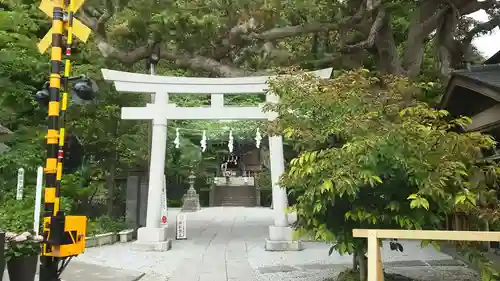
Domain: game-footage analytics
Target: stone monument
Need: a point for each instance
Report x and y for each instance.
(191, 200)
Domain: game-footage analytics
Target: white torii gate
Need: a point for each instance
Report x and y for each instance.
(280, 234)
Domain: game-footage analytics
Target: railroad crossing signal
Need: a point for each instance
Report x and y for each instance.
(80, 30)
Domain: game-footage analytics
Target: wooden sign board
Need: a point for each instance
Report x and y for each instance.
(20, 184)
(180, 226)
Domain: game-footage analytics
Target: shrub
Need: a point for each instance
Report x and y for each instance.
(104, 224)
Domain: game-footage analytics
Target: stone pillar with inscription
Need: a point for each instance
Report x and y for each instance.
(191, 200)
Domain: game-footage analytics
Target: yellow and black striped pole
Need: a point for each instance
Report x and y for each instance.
(64, 236)
(49, 264)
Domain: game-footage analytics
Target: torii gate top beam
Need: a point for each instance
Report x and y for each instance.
(145, 83)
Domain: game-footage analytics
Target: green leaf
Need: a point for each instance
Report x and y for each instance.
(424, 243)
(317, 207)
(376, 179)
(332, 248)
(424, 203)
(460, 199)
(347, 215)
(412, 196)
(327, 186)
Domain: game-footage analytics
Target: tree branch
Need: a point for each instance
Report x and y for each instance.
(247, 30)
(431, 23)
(179, 58)
(107, 13)
(370, 40)
(480, 28)
(291, 31)
(130, 57)
(475, 6)
(388, 60)
(191, 61)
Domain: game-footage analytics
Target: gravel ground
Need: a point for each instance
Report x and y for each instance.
(227, 244)
(439, 273)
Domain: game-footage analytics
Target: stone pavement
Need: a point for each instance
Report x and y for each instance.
(78, 271)
(227, 244)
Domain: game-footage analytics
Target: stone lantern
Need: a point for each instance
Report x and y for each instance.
(191, 200)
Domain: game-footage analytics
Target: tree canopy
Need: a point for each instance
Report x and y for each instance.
(244, 37)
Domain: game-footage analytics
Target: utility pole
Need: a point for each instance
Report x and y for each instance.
(64, 236)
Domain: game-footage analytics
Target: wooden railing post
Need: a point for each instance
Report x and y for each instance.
(375, 271)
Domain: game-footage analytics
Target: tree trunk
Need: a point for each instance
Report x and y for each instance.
(111, 174)
(388, 60)
(355, 263)
(110, 185)
(363, 266)
(422, 23)
(445, 43)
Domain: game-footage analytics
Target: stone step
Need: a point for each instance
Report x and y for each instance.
(242, 201)
(238, 203)
(238, 199)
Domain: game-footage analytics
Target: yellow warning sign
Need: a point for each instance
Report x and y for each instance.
(80, 30)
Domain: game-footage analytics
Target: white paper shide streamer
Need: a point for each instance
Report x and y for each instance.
(204, 139)
(203, 142)
(258, 138)
(177, 141)
(230, 144)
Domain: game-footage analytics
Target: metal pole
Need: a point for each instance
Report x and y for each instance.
(49, 263)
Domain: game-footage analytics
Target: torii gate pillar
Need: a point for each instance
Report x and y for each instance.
(153, 234)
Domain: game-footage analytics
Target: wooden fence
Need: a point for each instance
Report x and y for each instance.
(375, 268)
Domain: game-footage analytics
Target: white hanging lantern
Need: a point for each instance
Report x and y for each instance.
(177, 140)
(203, 142)
(230, 144)
(258, 138)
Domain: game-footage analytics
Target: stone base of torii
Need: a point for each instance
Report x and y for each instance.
(154, 237)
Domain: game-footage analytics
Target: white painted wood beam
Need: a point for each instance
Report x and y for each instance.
(115, 75)
(197, 113)
(217, 100)
(144, 83)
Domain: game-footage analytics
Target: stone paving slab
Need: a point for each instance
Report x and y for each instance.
(78, 271)
(387, 265)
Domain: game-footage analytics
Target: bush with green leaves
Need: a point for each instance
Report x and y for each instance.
(374, 156)
(17, 216)
(105, 224)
